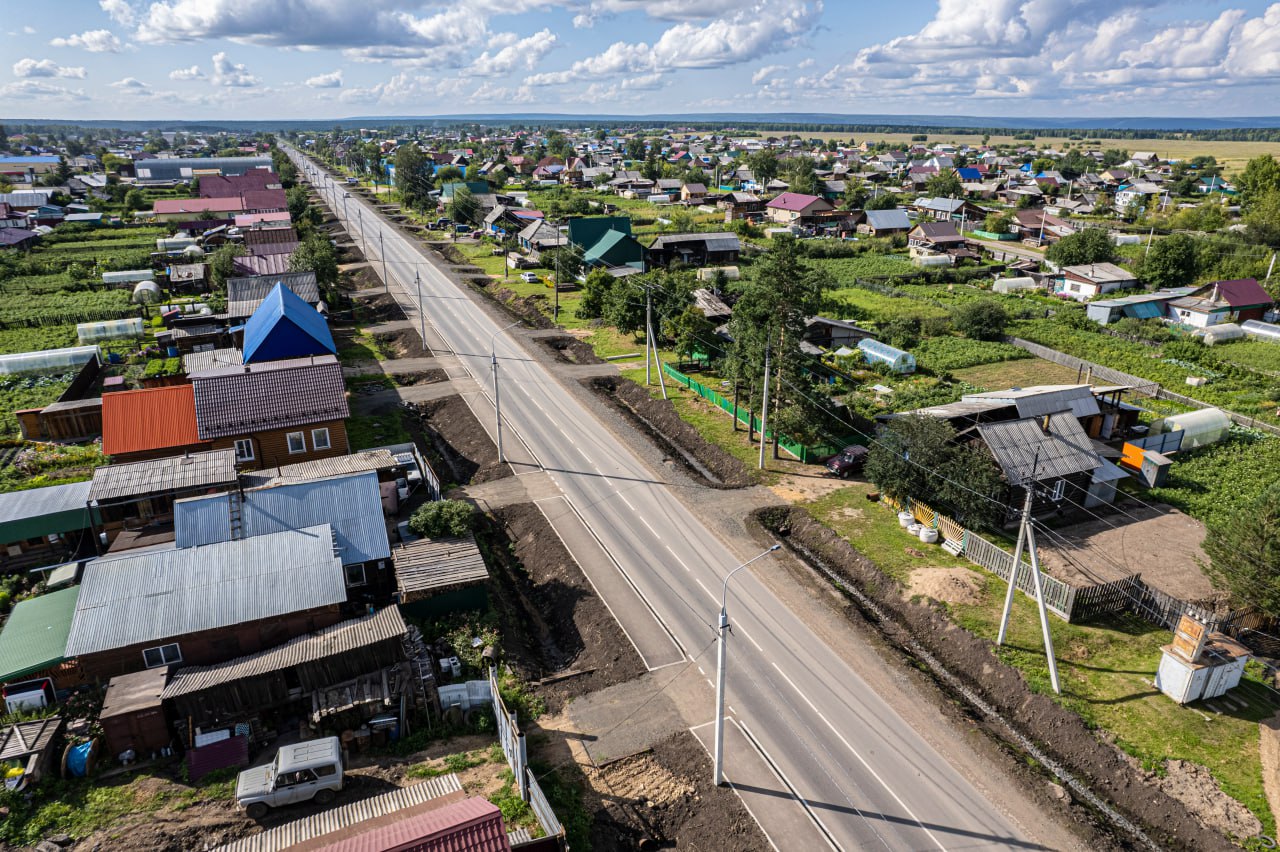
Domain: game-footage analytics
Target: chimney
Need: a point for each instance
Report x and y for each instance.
(1044, 424)
(1214, 297)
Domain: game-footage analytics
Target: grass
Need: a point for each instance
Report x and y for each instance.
(1021, 373)
(363, 347)
(857, 303)
(376, 430)
(1105, 667)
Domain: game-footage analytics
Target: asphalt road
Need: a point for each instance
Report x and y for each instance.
(860, 771)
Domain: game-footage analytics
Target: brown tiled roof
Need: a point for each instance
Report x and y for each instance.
(271, 395)
(151, 419)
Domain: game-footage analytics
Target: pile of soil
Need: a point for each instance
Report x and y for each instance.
(405, 343)
(908, 625)
(379, 309)
(462, 448)
(957, 585)
(664, 799)
(363, 278)
(1193, 785)
(553, 622)
(570, 350)
(658, 418)
(527, 309)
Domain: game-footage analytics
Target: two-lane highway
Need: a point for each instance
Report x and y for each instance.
(860, 771)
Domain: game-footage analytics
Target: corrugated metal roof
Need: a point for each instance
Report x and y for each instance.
(1025, 451)
(352, 505)
(38, 502)
(143, 597)
(244, 294)
(338, 639)
(336, 819)
(161, 476)
(35, 636)
(212, 359)
(473, 825)
(150, 419)
(272, 395)
(359, 462)
(261, 264)
(427, 565)
(1045, 399)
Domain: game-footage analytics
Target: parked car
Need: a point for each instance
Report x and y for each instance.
(300, 773)
(848, 461)
(462, 229)
(529, 277)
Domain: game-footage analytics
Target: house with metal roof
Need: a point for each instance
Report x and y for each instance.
(352, 505)
(615, 250)
(274, 412)
(1086, 281)
(204, 605)
(285, 326)
(1238, 300)
(136, 494)
(1050, 454)
(695, 249)
(41, 526)
(1138, 306)
(150, 423)
(169, 169)
(795, 208)
(882, 223)
(34, 639)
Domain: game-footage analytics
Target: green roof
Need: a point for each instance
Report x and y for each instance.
(586, 231)
(35, 637)
(615, 249)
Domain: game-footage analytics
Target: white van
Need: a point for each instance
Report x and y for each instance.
(300, 773)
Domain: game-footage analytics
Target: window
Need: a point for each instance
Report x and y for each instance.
(244, 449)
(1059, 491)
(326, 770)
(297, 442)
(320, 439)
(355, 575)
(165, 655)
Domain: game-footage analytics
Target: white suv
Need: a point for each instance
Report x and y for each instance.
(529, 277)
(300, 773)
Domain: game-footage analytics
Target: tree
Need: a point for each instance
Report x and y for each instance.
(1261, 175)
(442, 519)
(448, 174)
(595, 292)
(689, 331)
(134, 200)
(984, 319)
(883, 201)
(998, 223)
(316, 254)
(1114, 157)
(222, 265)
(1170, 263)
(413, 176)
(902, 332)
(764, 166)
(558, 145)
(855, 193)
(800, 175)
(1089, 245)
(1262, 223)
(463, 206)
(1243, 547)
(297, 202)
(944, 185)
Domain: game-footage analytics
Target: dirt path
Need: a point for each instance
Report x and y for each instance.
(1269, 747)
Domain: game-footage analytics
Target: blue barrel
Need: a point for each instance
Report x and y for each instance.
(78, 759)
(173, 351)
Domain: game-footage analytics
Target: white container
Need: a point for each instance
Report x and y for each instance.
(906, 519)
(928, 535)
(914, 529)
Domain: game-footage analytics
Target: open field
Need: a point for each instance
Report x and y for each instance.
(1026, 372)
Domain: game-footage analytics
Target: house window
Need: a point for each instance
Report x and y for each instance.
(1059, 491)
(297, 442)
(165, 655)
(355, 575)
(244, 449)
(320, 439)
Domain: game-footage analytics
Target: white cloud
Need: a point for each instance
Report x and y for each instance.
(525, 53)
(584, 21)
(765, 73)
(119, 11)
(231, 74)
(35, 89)
(29, 30)
(130, 84)
(332, 80)
(94, 41)
(46, 68)
(192, 73)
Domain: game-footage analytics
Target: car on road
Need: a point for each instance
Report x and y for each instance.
(529, 277)
(848, 461)
(300, 772)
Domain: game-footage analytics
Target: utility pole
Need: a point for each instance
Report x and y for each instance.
(648, 340)
(1271, 266)
(422, 308)
(764, 409)
(386, 282)
(657, 362)
(497, 399)
(1150, 237)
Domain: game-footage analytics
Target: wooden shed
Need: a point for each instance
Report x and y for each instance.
(30, 746)
(132, 714)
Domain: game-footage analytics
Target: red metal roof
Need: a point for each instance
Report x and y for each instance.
(151, 419)
(472, 825)
(1240, 292)
(795, 201)
(166, 206)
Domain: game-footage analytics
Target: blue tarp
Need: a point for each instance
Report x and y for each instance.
(1144, 310)
(284, 326)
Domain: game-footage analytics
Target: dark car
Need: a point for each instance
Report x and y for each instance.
(848, 461)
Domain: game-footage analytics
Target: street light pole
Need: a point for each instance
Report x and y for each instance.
(721, 653)
(497, 399)
(386, 282)
(422, 308)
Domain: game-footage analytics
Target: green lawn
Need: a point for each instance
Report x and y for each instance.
(1022, 373)
(1105, 668)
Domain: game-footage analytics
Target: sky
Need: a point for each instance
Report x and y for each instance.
(318, 59)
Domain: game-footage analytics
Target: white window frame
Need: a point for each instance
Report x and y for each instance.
(246, 444)
(348, 570)
(167, 658)
(302, 440)
(315, 443)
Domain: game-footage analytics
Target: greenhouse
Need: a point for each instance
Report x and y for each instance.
(1223, 333)
(147, 293)
(1260, 330)
(1207, 426)
(1009, 285)
(93, 332)
(896, 360)
(47, 360)
(127, 276)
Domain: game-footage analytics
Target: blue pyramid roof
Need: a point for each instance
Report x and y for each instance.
(284, 326)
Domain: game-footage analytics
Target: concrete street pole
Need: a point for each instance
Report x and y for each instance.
(386, 282)
(764, 409)
(721, 654)
(422, 309)
(497, 399)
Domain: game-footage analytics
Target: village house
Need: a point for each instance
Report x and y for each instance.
(938, 237)
(1083, 283)
(882, 223)
(793, 208)
(150, 423)
(1221, 302)
(695, 249)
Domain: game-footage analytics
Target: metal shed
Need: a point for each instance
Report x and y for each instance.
(132, 715)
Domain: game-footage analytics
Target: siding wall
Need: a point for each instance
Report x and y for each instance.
(271, 448)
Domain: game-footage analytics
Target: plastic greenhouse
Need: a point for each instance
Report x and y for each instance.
(47, 360)
(1216, 334)
(1207, 426)
(127, 276)
(92, 332)
(147, 293)
(1009, 285)
(1261, 330)
(174, 243)
(896, 360)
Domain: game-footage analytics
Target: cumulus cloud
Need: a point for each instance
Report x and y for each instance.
(765, 73)
(130, 84)
(192, 73)
(332, 80)
(29, 30)
(46, 68)
(231, 74)
(94, 41)
(120, 11)
(36, 89)
(523, 53)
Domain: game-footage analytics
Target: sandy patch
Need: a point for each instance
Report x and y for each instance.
(949, 585)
